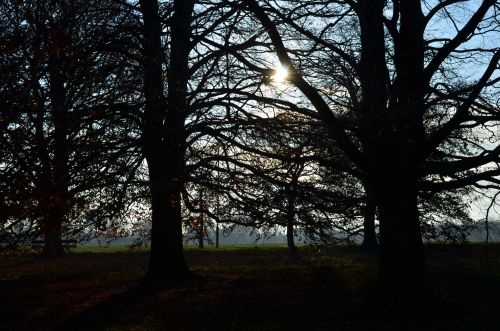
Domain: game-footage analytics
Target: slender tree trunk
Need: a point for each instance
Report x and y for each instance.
(217, 235)
(59, 198)
(44, 195)
(164, 139)
(201, 228)
(201, 239)
(290, 217)
(59, 204)
(369, 210)
(50, 230)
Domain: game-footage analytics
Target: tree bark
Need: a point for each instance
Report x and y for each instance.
(164, 139)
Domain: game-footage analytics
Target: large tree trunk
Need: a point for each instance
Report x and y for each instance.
(290, 234)
(164, 139)
(52, 225)
(167, 265)
(392, 132)
(402, 277)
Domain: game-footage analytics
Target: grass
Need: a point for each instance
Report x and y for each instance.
(102, 249)
(187, 248)
(243, 289)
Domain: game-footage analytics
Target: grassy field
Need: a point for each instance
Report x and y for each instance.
(243, 288)
(126, 248)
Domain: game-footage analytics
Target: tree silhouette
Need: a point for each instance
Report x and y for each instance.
(60, 158)
(406, 115)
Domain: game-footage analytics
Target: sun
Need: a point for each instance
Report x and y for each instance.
(280, 74)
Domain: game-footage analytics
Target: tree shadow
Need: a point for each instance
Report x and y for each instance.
(124, 306)
(294, 257)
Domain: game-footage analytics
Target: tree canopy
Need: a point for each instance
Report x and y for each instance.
(336, 120)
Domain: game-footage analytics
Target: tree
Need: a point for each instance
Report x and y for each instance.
(265, 170)
(408, 113)
(59, 157)
(163, 136)
(173, 119)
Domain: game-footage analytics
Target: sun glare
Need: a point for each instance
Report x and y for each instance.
(280, 74)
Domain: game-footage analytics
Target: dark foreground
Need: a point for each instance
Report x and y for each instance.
(245, 289)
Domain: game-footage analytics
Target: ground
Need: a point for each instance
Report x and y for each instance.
(244, 289)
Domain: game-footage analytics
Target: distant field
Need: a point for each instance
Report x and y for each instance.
(243, 289)
(105, 249)
(126, 248)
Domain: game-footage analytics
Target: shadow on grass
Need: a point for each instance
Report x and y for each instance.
(247, 290)
(273, 298)
(123, 306)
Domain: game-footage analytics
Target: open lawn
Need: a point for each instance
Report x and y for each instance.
(244, 289)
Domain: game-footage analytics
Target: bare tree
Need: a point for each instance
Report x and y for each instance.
(407, 112)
